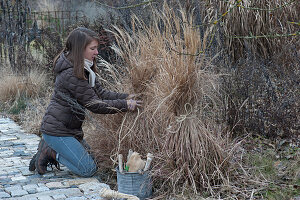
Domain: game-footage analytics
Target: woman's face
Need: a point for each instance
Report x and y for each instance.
(91, 50)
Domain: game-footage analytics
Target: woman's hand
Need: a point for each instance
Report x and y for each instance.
(133, 104)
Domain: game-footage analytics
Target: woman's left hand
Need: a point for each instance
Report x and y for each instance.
(133, 104)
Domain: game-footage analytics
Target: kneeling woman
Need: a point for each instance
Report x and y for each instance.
(76, 89)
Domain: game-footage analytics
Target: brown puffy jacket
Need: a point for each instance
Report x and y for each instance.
(66, 111)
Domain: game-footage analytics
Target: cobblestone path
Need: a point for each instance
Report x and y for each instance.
(17, 182)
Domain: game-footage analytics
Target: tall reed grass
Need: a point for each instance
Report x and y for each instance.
(270, 20)
(13, 86)
(21, 95)
(181, 99)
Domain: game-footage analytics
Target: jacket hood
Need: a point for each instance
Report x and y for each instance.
(62, 64)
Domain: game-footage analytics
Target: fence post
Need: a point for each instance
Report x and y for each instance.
(49, 21)
(62, 22)
(42, 18)
(56, 21)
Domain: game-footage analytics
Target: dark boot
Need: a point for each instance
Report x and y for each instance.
(32, 161)
(45, 155)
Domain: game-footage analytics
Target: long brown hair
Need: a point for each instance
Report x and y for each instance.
(76, 43)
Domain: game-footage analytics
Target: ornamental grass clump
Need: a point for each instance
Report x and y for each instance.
(167, 68)
(263, 27)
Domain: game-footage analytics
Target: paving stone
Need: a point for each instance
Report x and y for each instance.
(80, 181)
(54, 185)
(16, 193)
(4, 186)
(92, 187)
(26, 172)
(6, 144)
(7, 138)
(76, 198)
(42, 189)
(31, 191)
(72, 192)
(59, 196)
(6, 164)
(30, 186)
(12, 159)
(6, 153)
(4, 195)
(3, 149)
(23, 198)
(21, 144)
(5, 180)
(95, 196)
(45, 198)
(12, 174)
(20, 153)
(12, 188)
(15, 130)
(69, 192)
(18, 178)
(49, 174)
(35, 176)
(2, 176)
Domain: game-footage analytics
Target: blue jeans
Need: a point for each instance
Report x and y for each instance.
(72, 154)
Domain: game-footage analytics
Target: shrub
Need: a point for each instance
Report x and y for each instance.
(18, 106)
(262, 57)
(181, 104)
(51, 42)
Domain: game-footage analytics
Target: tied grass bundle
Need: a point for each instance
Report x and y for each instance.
(180, 93)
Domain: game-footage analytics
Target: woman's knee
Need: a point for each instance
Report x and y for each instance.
(88, 171)
(86, 168)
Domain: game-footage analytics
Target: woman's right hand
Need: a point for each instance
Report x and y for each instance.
(132, 105)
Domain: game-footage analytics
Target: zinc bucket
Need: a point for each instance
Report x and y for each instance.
(134, 183)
